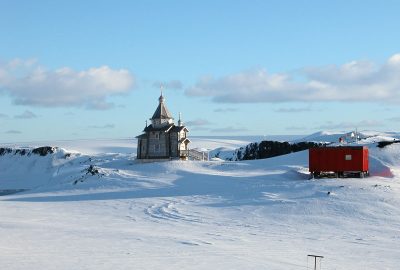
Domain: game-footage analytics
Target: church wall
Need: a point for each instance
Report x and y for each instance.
(157, 144)
(174, 144)
(142, 148)
(161, 144)
(182, 135)
(182, 146)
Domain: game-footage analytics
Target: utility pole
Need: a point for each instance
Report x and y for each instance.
(356, 136)
(315, 260)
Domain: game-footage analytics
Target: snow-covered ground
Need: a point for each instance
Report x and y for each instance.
(261, 214)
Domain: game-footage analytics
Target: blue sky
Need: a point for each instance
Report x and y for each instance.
(91, 69)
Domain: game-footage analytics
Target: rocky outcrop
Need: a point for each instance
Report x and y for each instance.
(268, 149)
(41, 151)
(382, 144)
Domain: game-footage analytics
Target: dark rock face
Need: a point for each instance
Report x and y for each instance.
(89, 171)
(21, 152)
(382, 144)
(4, 151)
(43, 151)
(92, 170)
(267, 149)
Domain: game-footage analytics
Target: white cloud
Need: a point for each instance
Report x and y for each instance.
(174, 84)
(293, 110)
(100, 105)
(224, 110)
(351, 125)
(26, 115)
(296, 128)
(394, 119)
(13, 132)
(229, 129)
(198, 122)
(31, 84)
(357, 81)
(249, 86)
(106, 126)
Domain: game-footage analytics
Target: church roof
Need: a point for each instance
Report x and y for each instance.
(162, 128)
(179, 128)
(162, 112)
(142, 136)
(184, 140)
(167, 128)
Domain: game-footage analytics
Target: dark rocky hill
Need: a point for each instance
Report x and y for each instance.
(268, 149)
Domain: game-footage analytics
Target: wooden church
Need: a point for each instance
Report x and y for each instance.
(162, 139)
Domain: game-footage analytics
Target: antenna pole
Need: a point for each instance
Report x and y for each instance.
(315, 260)
(356, 136)
(315, 263)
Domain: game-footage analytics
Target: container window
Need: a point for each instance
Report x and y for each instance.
(348, 157)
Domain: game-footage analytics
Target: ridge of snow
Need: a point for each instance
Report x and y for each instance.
(196, 215)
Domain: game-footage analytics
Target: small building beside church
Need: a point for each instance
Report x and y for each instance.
(162, 139)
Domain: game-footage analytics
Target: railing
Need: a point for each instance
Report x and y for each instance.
(184, 153)
(194, 154)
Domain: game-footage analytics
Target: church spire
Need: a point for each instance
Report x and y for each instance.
(161, 99)
(180, 123)
(161, 116)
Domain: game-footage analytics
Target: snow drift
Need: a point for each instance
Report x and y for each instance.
(107, 211)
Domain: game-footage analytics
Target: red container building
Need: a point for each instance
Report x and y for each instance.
(339, 161)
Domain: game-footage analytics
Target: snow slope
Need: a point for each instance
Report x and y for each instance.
(261, 214)
(128, 145)
(365, 136)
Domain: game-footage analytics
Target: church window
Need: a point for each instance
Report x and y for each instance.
(156, 148)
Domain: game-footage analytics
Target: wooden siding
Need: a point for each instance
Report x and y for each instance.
(161, 144)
